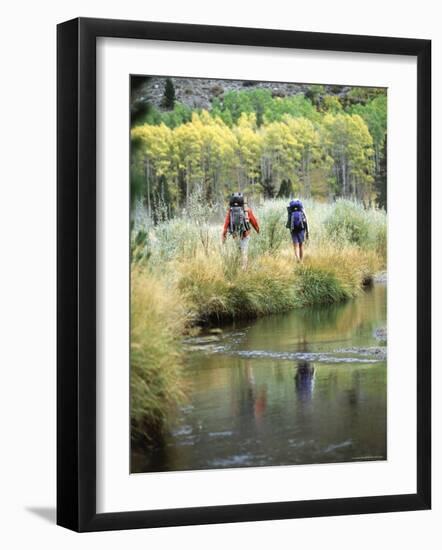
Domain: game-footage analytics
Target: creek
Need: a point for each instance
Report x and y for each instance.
(304, 387)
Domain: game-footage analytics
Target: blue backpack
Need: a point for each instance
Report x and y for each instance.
(295, 220)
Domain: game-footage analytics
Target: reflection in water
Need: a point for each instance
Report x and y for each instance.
(252, 396)
(267, 409)
(321, 328)
(304, 380)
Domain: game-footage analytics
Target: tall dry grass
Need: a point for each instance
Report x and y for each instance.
(158, 319)
(342, 223)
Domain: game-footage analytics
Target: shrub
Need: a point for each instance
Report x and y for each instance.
(140, 249)
(180, 238)
(217, 90)
(273, 235)
(348, 223)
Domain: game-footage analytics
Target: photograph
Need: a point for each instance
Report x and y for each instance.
(223, 251)
(258, 274)
(258, 269)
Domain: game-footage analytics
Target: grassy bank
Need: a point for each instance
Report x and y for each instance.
(158, 318)
(347, 247)
(183, 276)
(273, 283)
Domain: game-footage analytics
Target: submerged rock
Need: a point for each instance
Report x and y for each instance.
(202, 340)
(377, 353)
(381, 334)
(348, 355)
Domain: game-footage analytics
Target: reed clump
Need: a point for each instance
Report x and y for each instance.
(158, 319)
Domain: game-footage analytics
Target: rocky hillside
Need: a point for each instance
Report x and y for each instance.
(199, 93)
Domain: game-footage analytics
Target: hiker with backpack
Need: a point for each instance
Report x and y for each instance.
(238, 222)
(298, 224)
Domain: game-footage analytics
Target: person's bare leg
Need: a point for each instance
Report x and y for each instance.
(301, 251)
(295, 248)
(244, 260)
(244, 246)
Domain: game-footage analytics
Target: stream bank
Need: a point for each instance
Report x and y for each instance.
(302, 387)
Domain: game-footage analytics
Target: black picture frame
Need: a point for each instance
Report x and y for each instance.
(77, 286)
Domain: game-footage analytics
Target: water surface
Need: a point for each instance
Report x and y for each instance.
(303, 387)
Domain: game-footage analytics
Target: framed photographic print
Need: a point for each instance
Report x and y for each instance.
(243, 274)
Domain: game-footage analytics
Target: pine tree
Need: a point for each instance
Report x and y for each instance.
(169, 94)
